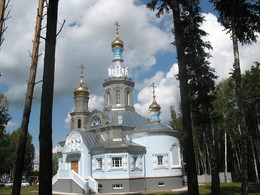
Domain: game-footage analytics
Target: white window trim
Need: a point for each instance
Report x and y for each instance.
(118, 97)
(117, 162)
(136, 165)
(165, 161)
(95, 163)
(110, 162)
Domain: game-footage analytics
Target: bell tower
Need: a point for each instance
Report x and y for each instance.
(118, 86)
(81, 98)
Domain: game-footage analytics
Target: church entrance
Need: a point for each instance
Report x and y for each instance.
(74, 166)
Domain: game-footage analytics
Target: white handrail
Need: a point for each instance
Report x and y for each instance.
(93, 184)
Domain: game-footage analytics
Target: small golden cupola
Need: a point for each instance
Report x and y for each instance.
(117, 43)
(81, 89)
(154, 108)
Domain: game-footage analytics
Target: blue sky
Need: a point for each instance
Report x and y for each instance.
(86, 39)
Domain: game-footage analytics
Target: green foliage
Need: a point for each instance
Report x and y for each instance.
(4, 141)
(240, 17)
(161, 6)
(55, 164)
(201, 75)
(9, 143)
(225, 120)
(29, 152)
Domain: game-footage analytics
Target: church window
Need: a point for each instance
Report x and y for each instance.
(128, 98)
(160, 160)
(117, 186)
(117, 97)
(161, 184)
(175, 156)
(79, 123)
(108, 98)
(136, 162)
(96, 121)
(99, 163)
(117, 70)
(117, 162)
(100, 187)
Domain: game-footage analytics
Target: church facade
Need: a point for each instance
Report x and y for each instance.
(117, 150)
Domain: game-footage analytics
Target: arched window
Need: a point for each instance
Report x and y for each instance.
(96, 121)
(128, 98)
(79, 123)
(175, 155)
(108, 98)
(117, 97)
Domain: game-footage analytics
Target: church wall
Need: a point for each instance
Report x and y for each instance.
(121, 185)
(159, 158)
(163, 183)
(107, 170)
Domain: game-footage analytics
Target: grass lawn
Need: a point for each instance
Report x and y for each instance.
(226, 189)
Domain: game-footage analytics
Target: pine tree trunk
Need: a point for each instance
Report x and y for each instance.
(215, 185)
(2, 11)
(185, 102)
(254, 160)
(237, 167)
(225, 173)
(28, 104)
(241, 115)
(45, 138)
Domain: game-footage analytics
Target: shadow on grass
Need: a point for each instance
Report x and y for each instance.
(225, 189)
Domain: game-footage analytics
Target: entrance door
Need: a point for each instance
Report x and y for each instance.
(74, 166)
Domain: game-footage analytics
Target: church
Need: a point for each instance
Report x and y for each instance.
(117, 150)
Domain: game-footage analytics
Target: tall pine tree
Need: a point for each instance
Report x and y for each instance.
(163, 6)
(201, 80)
(241, 19)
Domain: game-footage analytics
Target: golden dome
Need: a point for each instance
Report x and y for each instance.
(81, 89)
(117, 42)
(154, 107)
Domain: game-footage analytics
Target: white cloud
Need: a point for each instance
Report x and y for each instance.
(85, 39)
(96, 102)
(166, 92)
(67, 121)
(222, 54)
(11, 125)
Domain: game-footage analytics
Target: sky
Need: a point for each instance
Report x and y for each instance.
(86, 39)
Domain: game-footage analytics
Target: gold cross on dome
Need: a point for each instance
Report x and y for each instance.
(82, 68)
(117, 25)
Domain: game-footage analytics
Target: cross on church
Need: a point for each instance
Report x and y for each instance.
(117, 25)
(82, 68)
(153, 86)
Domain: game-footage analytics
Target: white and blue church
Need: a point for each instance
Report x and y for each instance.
(117, 150)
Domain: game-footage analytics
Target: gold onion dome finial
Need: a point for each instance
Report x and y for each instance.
(81, 89)
(117, 42)
(154, 107)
